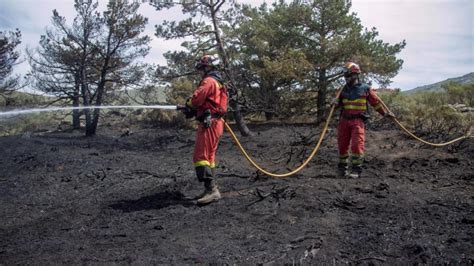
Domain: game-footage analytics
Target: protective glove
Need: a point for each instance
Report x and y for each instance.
(207, 118)
(189, 103)
(186, 110)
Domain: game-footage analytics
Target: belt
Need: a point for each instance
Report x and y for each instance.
(351, 116)
(213, 116)
(364, 116)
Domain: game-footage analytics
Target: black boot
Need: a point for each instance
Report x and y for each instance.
(356, 171)
(342, 169)
(204, 174)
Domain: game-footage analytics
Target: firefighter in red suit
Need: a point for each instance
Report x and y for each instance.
(354, 101)
(208, 104)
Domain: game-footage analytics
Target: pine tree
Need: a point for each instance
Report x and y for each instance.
(206, 38)
(8, 59)
(97, 54)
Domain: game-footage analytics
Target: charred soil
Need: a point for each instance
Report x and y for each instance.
(128, 198)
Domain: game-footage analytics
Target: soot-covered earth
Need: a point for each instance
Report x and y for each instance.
(129, 199)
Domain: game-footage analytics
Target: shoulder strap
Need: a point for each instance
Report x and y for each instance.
(367, 89)
(221, 88)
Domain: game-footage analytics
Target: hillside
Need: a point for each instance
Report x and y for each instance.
(21, 99)
(145, 95)
(466, 79)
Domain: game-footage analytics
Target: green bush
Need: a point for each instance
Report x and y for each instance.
(29, 123)
(177, 93)
(167, 119)
(431, 113)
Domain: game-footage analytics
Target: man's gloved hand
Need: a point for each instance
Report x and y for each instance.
(207, 118)
(186, 110)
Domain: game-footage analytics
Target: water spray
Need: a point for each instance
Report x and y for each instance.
(53, 109)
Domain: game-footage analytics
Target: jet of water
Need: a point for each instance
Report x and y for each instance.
(53, 109)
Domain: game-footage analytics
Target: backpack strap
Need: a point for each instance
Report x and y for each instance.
(221, 87)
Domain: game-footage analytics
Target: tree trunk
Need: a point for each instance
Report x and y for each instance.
(86, 97)
(239, 119)
(321, 100)
(100, 95)
(96, 113)
(236, 111)
(76, 114)
(95, 121)
(88, 113)
(86, 101)
(269, 116)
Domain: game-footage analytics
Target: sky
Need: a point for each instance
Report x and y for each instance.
(439, 33)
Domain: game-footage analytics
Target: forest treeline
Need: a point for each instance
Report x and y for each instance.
(280, 61)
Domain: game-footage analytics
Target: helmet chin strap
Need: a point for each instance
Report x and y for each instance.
(208, 69)
(353, 80)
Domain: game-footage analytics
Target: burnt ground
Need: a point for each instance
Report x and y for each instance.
(66, 199)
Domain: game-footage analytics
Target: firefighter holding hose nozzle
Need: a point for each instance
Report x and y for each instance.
(208, 104)
(353, 101)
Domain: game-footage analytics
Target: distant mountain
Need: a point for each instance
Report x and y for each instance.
(466, 79)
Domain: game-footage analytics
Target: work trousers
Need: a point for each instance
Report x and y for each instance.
(351, 132)
(207, 140)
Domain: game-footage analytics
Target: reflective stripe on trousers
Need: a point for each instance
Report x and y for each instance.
(351, 133)
(207, 141)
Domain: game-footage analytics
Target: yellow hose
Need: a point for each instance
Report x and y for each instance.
(418, 138)
(313, 153)
(318, 144)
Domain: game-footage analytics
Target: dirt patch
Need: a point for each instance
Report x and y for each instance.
(129, 199)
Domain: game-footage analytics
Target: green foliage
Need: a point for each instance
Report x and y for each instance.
(26, 124)
(95, 54)
(460, 94)
(270, 63)
(21, 100)
(301, 46)
(29, 122)
(8, 58)
(160, 118)
(276, 53)
(148, 95)
(298, 106)
(432, 113)
(177, 93)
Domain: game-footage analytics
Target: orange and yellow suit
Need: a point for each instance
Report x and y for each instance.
(354, 102)
(207, 96)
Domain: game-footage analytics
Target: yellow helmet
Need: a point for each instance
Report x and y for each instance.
(351, 68)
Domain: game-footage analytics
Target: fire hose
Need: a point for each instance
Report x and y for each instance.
(296, 170)
(420, 139)
(234, 137)
(299, 168)
(318, 144)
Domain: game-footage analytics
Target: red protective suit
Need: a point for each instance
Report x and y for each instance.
(354, 101)
(207, 96)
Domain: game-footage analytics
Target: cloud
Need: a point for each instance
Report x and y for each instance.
(439, 33)
(439, 36)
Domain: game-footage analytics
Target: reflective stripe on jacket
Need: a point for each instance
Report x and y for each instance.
(353, 100)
